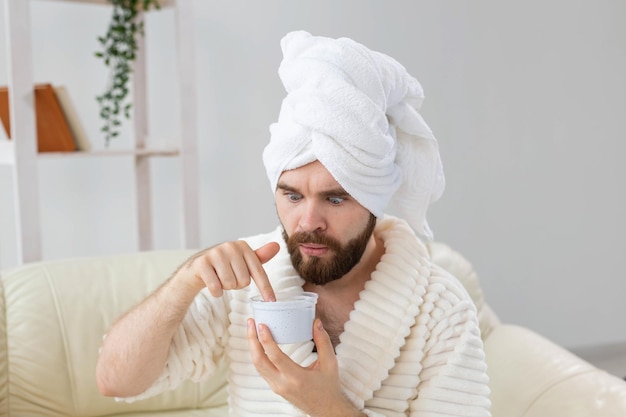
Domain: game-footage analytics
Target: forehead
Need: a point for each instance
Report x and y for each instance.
(312, 176)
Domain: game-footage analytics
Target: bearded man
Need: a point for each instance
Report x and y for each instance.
(394, 334)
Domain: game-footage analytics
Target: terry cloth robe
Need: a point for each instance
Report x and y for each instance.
(411, 346)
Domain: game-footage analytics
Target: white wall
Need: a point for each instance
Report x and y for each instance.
(527, 99)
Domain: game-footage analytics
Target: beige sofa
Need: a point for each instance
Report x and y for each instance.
(53, 315)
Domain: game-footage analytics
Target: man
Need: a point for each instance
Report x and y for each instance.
(394, 334)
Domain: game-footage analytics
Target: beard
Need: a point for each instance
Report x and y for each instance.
(318, 271)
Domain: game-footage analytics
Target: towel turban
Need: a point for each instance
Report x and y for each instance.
(356, 111)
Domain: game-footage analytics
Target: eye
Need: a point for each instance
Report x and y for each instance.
(336, 200)
(293, 197)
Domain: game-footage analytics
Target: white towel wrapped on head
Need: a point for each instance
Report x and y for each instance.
(356, 111)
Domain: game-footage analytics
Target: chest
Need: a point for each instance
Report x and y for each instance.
(334, 312)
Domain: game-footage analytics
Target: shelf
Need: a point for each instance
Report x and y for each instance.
(7, 156)
(162, 3)
(147, 152)
(23, 157)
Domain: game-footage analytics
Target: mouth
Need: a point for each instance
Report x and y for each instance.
(311, 249)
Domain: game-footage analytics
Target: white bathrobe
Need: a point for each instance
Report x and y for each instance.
(412, 344)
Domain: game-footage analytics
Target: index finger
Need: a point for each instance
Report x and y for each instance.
(257, 272)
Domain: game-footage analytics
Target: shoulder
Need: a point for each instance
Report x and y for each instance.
(448, 261)
(405, 251)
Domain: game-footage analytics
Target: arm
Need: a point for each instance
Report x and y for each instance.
(135, 350)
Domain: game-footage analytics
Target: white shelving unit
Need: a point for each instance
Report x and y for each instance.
(21, 152)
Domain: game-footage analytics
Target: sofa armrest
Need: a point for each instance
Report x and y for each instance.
(532, 377)
(53, 315)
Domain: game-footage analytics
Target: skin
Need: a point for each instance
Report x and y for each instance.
(307, 199)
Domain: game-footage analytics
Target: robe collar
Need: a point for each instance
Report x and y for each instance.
(382, 317)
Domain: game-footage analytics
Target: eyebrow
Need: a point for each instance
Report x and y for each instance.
(334, 192)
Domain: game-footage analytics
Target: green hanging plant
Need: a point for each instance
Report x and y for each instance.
(119, 49)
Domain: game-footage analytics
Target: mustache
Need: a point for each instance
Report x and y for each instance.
(315, 238)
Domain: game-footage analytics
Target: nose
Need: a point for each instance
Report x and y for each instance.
(311, 219)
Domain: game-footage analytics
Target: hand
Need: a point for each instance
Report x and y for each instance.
(231, 266)
(316, 389)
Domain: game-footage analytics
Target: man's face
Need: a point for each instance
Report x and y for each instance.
(326, 230)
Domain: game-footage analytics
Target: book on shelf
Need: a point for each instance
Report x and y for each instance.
(71, 115)
(56, 119)
(4, 136)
